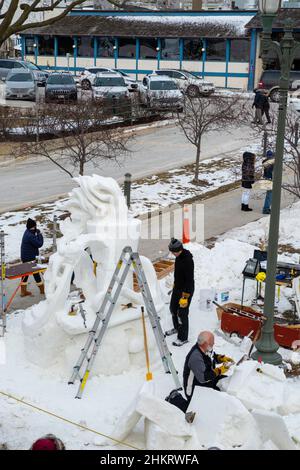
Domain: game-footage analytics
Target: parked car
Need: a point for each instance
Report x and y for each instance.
(161, 92)
(108, 86)
(7, 65)
(270, 81)
(294, 101)
(60, 86)
(189, 83)
(88, 75)
(20, 85)
(131, 83)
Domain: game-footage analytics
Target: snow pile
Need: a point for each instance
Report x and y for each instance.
(259, 230)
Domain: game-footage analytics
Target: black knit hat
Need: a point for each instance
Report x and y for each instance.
(175, 245)
(30, 224)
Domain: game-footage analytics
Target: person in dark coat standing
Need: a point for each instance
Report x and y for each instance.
(266, 105)
(258, 104)
(183, 291)
(31, 242)
(200, 365)
(268, 165)
(248, 176)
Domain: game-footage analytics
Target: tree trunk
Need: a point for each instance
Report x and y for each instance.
(196, 177)
(81, 167)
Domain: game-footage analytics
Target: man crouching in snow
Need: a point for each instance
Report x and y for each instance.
(200, 365)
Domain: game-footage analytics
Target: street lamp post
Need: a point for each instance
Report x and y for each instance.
(266, 347)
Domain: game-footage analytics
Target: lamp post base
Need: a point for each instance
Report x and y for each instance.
(268, 357)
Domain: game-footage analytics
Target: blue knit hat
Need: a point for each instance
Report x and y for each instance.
(269, 154)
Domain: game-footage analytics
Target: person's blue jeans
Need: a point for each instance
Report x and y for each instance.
(268, 201)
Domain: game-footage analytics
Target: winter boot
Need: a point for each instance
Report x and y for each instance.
(179, 343)
(42, 289)
(247, 208)
(24, 291)
(171, 332)
(243, 207)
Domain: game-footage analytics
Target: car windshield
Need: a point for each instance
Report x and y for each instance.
(163, 85)
(20, 77)
(109, 81)
(60, 80)
(32, 66)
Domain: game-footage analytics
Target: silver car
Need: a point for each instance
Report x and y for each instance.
(20, 85)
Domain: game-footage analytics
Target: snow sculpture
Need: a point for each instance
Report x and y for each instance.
(97, 231)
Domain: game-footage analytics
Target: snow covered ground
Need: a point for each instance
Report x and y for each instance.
(107, 397)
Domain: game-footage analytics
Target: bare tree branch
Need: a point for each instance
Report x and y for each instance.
(204, 115)
(83, 137)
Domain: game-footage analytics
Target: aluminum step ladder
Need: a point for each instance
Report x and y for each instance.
(2, 284)
(83, 367)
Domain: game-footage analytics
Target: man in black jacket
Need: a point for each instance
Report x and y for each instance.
(183, 291)
(31, 242)
(200, 365)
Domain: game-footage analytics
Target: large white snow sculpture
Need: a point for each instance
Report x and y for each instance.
(98, 229)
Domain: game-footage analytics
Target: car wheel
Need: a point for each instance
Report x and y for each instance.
(85, 84)
(275, 95)
(193, 91)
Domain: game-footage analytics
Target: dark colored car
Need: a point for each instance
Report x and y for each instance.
(270, 81)
(60, 87)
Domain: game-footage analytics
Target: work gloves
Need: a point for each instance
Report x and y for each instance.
(183, 301)
(221, 370)
(221, 358)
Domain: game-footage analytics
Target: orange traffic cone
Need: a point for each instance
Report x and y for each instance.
(186, 238)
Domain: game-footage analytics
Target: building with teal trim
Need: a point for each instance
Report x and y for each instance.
(218, 45)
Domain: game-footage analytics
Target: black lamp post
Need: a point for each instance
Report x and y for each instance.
(266, 347)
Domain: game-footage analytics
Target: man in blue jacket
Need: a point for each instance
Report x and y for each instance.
(31, 242)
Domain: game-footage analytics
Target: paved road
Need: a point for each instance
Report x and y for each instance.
(154, 150)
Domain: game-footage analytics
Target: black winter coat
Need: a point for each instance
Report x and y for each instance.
(198, 371)
(184, 272)
(31, 242)
(259, 100)
(248, 170)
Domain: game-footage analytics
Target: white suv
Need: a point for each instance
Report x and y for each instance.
(161, 92)
(189, 83)
(88, 75)
(109, 86)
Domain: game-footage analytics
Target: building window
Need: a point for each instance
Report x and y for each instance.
(29, 47)
(170, 49)
(46, 45)
(105, 47)
(148, 48)
(85, 47)
(65, 45)
(239, 50)
(216, 50)
(192, 49)
(127, 47)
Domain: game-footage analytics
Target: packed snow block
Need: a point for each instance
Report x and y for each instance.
(240, 376)
(168, 417)
(291, 400)
(158, 439)
(264, 389)
(126, 423)
(273, 428)
(223, 421)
